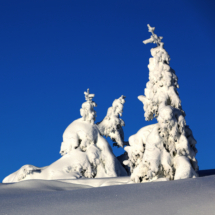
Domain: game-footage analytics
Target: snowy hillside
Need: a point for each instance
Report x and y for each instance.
(95, 196)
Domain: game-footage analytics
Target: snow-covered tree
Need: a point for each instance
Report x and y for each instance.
(111, 125)
(85, 152)
(165, 149)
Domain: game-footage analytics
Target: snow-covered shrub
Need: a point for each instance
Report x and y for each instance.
(85, 152)
(166, 149)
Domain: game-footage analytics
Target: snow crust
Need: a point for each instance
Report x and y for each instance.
(85, 152)
(93, 196)
(165, 149)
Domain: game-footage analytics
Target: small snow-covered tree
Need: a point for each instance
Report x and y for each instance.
(165, 149)
(85, 152)
(111, 125)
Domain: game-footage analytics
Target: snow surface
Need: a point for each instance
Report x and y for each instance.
(89, 196)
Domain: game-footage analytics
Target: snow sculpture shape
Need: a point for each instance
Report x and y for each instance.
(165, 149)
(85, 153)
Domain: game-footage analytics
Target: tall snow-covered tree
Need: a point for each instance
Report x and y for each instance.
(165, 149)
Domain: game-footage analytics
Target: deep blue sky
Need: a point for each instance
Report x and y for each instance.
(52, 51)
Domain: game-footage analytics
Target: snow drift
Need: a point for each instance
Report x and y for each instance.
(187, 197)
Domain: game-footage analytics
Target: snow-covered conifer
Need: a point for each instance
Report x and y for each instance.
(165, 149)
(112, 124)
(85, 152)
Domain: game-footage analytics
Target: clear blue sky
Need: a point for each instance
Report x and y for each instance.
(52, 51)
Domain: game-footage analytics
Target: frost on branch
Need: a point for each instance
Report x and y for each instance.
(165, 149)
(85, 152)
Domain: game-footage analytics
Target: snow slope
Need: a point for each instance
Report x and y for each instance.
(88, 196)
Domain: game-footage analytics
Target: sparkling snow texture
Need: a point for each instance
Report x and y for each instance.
(85, 153)
(166, 149)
